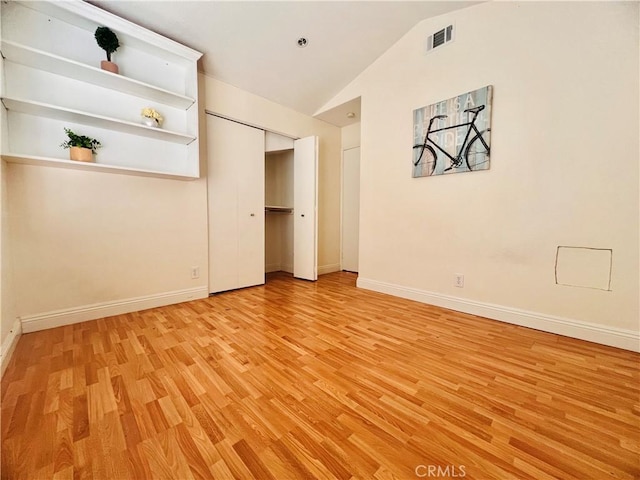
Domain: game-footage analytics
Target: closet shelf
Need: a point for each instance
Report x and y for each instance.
(88, 166)
(77, 116)
(278, 209)
(34, 58)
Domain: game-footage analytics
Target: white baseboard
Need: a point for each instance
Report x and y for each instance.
(615, 337)
(324, 269)
(277, 267)
(9, 345)
(42, 321)
(273, 267)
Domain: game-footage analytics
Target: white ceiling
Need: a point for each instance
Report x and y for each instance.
(253, 45)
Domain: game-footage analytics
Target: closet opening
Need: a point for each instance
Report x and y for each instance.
(279, 206)
(254, 181)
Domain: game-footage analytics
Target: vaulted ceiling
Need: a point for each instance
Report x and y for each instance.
(254, 45)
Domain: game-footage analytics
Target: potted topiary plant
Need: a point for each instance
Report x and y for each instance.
(108, 41)
(81, 147)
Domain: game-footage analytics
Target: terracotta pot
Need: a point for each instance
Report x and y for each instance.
(109, 66)
(81, 154)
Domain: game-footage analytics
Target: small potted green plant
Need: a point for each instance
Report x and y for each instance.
(108, 41)
(81, 147)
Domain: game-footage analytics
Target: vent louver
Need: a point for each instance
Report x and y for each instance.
(441, 37)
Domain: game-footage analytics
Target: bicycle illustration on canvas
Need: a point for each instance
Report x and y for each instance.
(453, 135)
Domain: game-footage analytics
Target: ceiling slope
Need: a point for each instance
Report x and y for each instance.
(253, 45)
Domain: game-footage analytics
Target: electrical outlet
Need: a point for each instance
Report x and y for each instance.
(195, 272)
(458, 280)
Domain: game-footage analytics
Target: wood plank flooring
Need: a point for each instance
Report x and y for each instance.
(296, 380)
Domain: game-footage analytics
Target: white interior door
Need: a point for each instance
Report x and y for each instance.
(350, 208)
(305, 201)
(235, 186)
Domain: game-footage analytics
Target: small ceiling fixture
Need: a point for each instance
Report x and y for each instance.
(302, 42)
(351, 115)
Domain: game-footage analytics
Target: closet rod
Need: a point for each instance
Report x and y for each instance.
(274, 209)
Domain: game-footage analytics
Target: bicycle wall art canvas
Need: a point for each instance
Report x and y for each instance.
(454, 135)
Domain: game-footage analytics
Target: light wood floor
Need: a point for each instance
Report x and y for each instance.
(316, 380)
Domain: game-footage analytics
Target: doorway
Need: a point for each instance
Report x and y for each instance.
(350, 209)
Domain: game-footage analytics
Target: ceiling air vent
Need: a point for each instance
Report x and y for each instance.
(440, 38)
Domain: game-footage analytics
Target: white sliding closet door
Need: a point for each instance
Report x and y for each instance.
(305, 201)
(235, 185)
(251, 210)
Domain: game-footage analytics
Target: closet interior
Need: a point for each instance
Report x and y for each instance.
(279, 209)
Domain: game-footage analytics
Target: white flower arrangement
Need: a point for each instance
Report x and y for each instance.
(149, 112)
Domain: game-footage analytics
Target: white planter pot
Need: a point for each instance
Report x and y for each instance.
(150, 122)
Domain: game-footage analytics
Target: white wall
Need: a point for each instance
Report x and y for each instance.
(5, 324)
(236, 104)
(351, 136)
(9, 325)
(564, 166)
(8, 330)
(82, 238)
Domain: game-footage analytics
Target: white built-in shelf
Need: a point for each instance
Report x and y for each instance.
(86, 16)
(86, 118)
(89, 166)
(59, 85)
(34, 58)
(277, 209)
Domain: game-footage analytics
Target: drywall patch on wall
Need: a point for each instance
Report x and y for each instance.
(584, 267)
